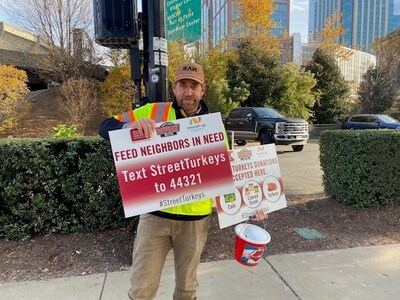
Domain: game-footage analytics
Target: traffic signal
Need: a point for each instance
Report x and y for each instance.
(115, 23)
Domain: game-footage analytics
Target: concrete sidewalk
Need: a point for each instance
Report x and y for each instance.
(358, 273)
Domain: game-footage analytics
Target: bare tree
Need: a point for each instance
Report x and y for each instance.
(66, 25)
(377, 91)
(117, 57)
(387, 51)
(79, 98)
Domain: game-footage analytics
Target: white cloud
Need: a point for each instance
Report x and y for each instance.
(299, 5)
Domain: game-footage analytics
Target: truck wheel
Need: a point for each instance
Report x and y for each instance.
(265, 138)
(241, 142)
(297, 148)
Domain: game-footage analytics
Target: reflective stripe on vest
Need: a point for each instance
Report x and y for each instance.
(127, 117)
(159, 113)
(160, 110)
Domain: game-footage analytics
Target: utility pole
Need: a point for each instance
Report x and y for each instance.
(155, 50)
(119, 25)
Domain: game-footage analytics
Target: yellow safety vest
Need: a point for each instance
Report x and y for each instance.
(162, 112)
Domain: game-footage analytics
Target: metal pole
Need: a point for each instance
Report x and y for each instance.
(134, 57)
(155, 51)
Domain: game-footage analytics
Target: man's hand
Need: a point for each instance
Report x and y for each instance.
(145, 127)
(259, 215)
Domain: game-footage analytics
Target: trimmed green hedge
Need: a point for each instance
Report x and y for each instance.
(60, 185)
(361, 167)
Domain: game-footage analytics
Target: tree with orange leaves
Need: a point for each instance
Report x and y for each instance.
(328, 37)
(13, 89)
(254, 24)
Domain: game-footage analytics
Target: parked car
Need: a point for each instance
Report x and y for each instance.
(370, 121)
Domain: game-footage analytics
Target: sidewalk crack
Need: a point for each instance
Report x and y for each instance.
(280, 276)
(102, 288)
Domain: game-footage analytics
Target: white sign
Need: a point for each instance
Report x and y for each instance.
(258, 185)
(164, 58)
(185, 160)
(160, 44)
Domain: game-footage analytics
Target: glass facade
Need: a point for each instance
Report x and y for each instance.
(205, 16)
(223, 14)
(355, 67)
(219, 20)
(394, 22)
(311, 19)
(280, 16)
(363, 20)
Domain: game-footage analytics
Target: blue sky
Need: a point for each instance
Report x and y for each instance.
(299, 18)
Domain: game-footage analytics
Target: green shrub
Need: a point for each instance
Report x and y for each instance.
(361, 167)
(64, 131)
(59, 185)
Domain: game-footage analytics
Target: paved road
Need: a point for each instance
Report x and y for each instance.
(301, 171)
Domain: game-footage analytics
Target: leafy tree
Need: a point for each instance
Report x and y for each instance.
(334, 90)
(297, 98)
(13, 89)
(118, 91)
(219, 98)
(176, 57)
(254, 20)
(217, 95)
(376, 93)
(259, 70)
(328, 37)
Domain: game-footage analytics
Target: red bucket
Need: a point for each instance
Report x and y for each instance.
(250, 243)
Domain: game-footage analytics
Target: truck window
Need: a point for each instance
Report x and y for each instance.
(267, 112)
(246, 113)
(235, 114)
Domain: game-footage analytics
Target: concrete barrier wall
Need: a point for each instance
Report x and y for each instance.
(316, 129)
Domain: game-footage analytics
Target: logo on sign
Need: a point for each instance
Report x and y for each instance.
(195, 124)
(261, 151)
(244, 154)
(167, 129)
(136, 135)
(195, 120)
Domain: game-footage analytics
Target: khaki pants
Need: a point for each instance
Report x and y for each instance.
(155, 237)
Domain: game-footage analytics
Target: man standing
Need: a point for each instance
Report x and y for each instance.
(182, 228)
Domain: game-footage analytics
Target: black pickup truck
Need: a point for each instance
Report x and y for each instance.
(267, 126)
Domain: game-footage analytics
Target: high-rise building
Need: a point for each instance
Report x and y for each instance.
(219, 16)
(297, 49)
(311, 19)
(363, 20)
(281, 16)
(353, 68)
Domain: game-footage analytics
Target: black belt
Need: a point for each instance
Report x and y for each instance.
(177, 217)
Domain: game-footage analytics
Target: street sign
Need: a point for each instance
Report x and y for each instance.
(183, 20)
